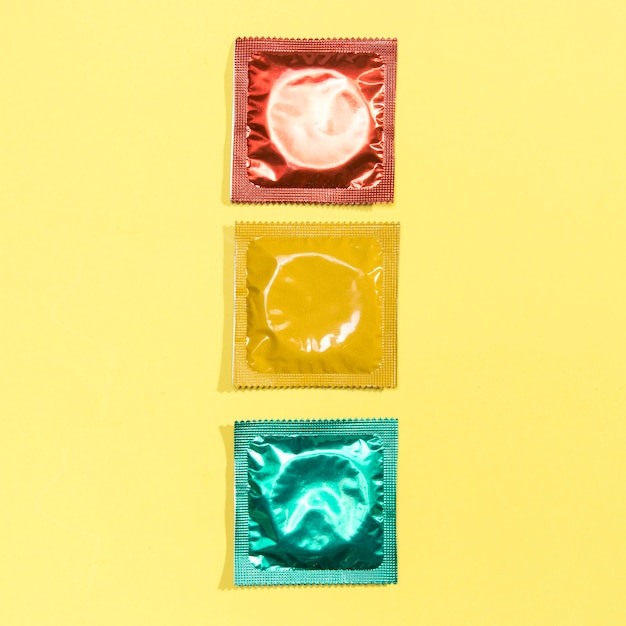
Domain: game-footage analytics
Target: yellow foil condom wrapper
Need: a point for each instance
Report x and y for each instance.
(315, 304)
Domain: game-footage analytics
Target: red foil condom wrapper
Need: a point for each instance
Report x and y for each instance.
(315, 502)
(314, 120)
(315, 304)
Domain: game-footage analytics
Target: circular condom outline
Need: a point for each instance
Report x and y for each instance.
(359, 520)
(319, 344)
(337, 147)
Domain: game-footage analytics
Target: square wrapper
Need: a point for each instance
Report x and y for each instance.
(315, 502)
(313, 120)
(315, 305)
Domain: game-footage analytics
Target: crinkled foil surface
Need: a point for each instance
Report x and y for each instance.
(315, 120)
(316, 502)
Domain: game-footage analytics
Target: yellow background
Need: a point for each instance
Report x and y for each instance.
(116, 408)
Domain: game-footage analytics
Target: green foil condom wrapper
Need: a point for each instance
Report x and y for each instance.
(315, 502)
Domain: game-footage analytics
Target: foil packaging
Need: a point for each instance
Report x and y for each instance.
(315, 304)
(314, 120)
(315, 502)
